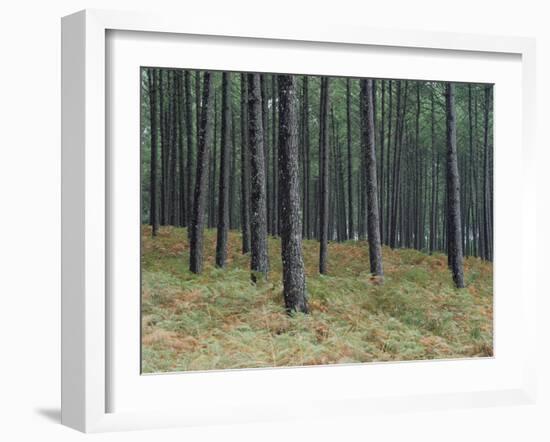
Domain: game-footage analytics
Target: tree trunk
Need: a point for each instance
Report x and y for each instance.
(153, 214)
(245, 169)
(382, 139)
(454, 233)
(487, 219)
(367, 139)
(274, 160)
(225, 161)
(306, 230)
(203, 154)
(323, 175)
(189, 137)
(351, 230)
(294, 280)
(258, 220)
(182, 198)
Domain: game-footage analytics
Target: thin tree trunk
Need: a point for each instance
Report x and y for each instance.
(433, 218)
(189, 137)
(486, 185)
(351, 230)
(233, 170)
(203, 153)
(274, 160)
(324, 176)
(453, 191)
(182, 214)
(152, 86)
(225, 161)
(382, 185)
(245, 171)
(306, 228)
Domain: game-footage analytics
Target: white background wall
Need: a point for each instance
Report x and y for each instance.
(30, 217)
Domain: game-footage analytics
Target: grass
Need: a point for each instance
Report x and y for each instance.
(219, 320)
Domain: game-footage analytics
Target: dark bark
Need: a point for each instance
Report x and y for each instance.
(153, 91)
(305, 158)
(367, 139)
(487, 219)
(324, 176)
(435, 159)
(189, 138)
(274, 160)
(351, 230)
(213, 167)
(245, 168)
(233, 172)
(203, 153)
(225, 161)
(294, 280)
(258, 217)
(454, 232)
(388, 159)
(182, 199)
(163, 148)
(382, 139)
(265, 125)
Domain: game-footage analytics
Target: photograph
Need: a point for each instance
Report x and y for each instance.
(302, 220)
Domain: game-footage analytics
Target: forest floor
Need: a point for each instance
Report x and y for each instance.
(219, 320)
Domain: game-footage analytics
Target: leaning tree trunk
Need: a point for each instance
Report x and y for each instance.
(225, 161)
(373, 216)
(258, 208)
(153, 215)
(294, 280)
(201, 180)
(323, 175)
(454, 238)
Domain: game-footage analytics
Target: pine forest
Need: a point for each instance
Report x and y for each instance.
(291, 220)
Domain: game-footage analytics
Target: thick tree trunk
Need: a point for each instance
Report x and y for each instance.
(453, 191)
(324, 176)
(373, 218)
(153, 90)
(203, 153)
(258, 217)
(294, 280)
(225, 161)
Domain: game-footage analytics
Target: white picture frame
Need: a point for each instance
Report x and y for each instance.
(87, 353)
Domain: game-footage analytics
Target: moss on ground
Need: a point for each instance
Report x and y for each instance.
(219, 320)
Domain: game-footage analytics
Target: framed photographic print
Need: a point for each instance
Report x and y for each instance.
(269, 223)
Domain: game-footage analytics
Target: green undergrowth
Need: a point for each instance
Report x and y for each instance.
(220, 320)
